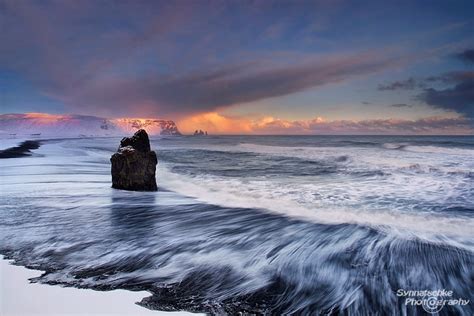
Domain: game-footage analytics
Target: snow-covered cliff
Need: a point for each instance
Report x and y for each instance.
(51, 125)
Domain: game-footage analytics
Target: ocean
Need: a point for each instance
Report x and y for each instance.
(264, 225)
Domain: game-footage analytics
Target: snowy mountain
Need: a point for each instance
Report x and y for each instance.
(51, 125)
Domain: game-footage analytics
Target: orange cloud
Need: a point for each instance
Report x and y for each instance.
(44, 116)
(216, 123)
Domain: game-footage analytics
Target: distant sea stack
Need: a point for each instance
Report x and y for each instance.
(200, 133)
(134, 164)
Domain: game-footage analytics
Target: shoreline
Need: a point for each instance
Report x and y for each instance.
(20, 297)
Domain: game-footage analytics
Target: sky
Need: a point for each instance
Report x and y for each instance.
(245, 67)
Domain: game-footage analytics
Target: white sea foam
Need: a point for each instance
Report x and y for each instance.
(441, 150)
(394, 145)
(427, 159)
(413, 180)
(320, 202)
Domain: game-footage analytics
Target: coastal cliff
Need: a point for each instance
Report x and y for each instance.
(52, 125)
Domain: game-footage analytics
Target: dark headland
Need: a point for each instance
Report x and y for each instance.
(22, 150)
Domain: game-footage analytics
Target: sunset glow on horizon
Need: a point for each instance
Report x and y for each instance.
(218, 124)
(267, 67)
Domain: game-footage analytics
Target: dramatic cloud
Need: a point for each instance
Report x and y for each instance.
(460, 98)
(140, 68)
(209, 90)
(421, 83)
(216, 123)
(180, 59)
(149, 58)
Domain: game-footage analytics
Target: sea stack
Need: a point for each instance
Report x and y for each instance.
(134, 164)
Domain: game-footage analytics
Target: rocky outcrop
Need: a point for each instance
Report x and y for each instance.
(134, 164)
(200, 133)
(22, 150)
(169, 128)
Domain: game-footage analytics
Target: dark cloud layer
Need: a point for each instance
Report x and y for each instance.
(457, 94)
(467, 56)
(459, 98)
(128, 57)
(207, 90)
(408, 84)
(451, 77)
(173, 58)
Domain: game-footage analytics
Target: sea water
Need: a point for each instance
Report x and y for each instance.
(259, 224)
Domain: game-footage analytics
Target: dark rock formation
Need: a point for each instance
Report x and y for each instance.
(134, 164)
(138, 141)
(169, 128)
(22, 150)
(200, 133)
